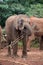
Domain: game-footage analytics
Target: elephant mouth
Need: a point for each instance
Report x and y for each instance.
(21, 28)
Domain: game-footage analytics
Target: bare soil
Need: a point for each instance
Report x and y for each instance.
(35, 57)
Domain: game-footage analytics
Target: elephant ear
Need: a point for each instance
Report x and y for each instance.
(28, 28)
(28, 21)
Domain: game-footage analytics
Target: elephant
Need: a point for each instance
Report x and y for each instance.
(15, 26)
(37, 26)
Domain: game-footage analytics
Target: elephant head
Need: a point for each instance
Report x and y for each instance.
(22, 22)
(22, 25)
(35, 29)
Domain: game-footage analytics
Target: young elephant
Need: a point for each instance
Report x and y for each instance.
(16, 26)
(37, 25)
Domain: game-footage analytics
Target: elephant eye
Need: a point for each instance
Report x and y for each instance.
(24, 27)
(29, 22)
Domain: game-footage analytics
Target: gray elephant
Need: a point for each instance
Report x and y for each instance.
(16, 26)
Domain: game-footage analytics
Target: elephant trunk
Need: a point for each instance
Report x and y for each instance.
(28, 29)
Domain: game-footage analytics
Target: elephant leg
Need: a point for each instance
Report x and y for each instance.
(15, 49)
(9, 49)
(28, 44)
(24, 48)
(41, 43)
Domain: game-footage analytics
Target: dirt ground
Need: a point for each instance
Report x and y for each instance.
(35, 57)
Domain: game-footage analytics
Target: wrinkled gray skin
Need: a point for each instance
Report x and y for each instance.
(15, 27)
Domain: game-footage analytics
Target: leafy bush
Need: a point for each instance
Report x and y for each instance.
(29, 7)
(35, 10)
(35, 43)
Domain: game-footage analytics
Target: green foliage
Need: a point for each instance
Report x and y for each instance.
(41, 1)
(7, 10)
(29, 7)
(3, 31)
(35, 43)
(20, 44)
(17, 8)
(35, 10)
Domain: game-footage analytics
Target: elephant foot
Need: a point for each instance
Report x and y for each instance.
(28, 50)
(15, 56)
(8, 55)
(24, 56)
